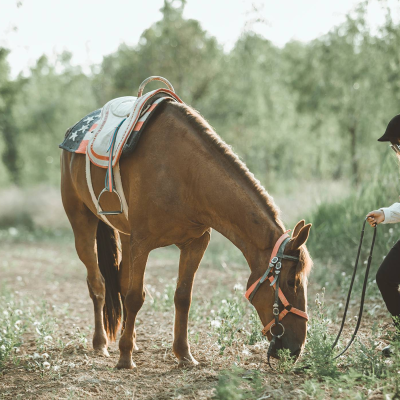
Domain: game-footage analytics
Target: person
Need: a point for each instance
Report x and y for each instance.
(388, 275)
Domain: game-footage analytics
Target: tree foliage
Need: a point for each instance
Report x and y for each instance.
(306, 111)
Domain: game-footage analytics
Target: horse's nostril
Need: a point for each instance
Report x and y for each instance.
(296, 353)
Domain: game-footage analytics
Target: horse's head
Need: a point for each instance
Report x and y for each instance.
(293, 270)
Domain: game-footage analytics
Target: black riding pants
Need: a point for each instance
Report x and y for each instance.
(388, 280)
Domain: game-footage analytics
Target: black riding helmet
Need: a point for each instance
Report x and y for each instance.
(392, 132)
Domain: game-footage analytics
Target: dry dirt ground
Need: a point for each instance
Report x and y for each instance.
(49, 275)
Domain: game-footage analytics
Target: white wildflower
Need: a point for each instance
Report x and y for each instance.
(246, 351)
(215, 323)
(238, 286)
(46, 365)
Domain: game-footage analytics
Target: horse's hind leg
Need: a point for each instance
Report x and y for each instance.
(123, 275)
(84, 224)
(191, 255)
(133, 301)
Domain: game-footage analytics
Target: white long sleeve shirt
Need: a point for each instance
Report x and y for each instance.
(392, 214)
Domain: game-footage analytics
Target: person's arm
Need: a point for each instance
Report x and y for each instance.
(392, 214)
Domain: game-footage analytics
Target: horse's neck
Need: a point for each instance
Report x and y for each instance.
(232, 205)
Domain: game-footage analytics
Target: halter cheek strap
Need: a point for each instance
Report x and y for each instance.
(258, 282)
(275, 266)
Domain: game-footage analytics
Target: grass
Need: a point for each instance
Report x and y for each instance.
(225, 320)
(21, 318)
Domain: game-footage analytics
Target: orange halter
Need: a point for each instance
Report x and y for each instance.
(272, 274)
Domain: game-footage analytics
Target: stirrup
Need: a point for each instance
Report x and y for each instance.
(99, 211)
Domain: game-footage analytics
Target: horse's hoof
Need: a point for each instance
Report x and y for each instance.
(125, 364)
(102, 351)
(187, 362)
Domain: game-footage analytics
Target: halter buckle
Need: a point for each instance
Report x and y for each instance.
(278, 336)
(274, 260)
(275, 309)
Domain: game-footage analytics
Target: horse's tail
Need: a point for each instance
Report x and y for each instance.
(107, 255)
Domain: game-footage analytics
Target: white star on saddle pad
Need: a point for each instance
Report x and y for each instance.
(73, 135)
(88, 119)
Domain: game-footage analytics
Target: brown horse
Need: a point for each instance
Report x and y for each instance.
(181, 181)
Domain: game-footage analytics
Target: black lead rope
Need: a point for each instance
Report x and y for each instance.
(350, 290)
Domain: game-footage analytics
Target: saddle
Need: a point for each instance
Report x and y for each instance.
(112, 131)
(118, 119)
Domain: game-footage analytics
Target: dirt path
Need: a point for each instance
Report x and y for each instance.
(51, 272)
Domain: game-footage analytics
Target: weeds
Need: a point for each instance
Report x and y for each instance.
(12, 325)
(228, 322)
(318, 350)
(367, 358)
(162, 301)
(255, 334)
(285, 362)
(238, 384)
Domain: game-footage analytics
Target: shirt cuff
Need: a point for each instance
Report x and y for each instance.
(386, 213)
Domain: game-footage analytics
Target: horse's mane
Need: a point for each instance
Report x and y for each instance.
(208, 134)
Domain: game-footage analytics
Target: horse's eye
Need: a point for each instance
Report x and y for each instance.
(291, 283)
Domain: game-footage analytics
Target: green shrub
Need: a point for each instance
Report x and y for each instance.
(337, 225)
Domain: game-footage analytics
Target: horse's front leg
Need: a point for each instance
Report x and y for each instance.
(85, 243)
(191, 255)
(133, 302)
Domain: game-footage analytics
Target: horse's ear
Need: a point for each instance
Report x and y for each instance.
(297, 228)
(301, 237)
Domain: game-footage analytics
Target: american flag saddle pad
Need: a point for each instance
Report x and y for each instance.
(123, 117)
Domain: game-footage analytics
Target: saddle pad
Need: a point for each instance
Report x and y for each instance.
(93, 133)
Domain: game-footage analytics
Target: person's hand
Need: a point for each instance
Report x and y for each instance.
(375, 217)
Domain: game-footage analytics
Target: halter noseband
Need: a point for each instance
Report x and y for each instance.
(272, 274)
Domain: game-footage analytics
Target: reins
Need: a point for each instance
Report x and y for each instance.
(350, 290)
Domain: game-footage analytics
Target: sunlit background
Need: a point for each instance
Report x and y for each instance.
(301, 90)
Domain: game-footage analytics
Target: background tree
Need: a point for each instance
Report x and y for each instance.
(8, 129)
